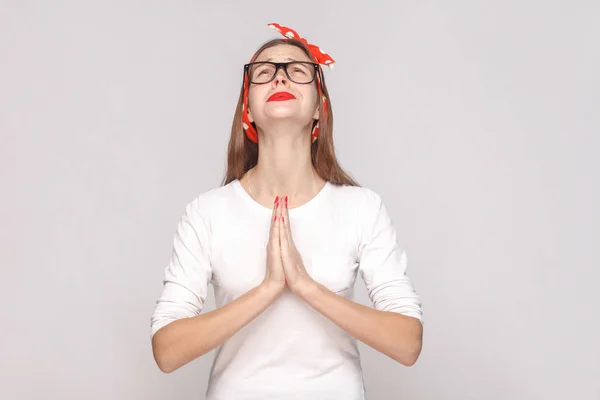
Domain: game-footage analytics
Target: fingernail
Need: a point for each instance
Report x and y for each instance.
(276, 199)
(282, 219)
(275, 218)
(286, 199)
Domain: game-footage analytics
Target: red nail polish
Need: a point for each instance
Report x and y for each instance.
(286, 201)
(282, 219)
(276, 199)
(275, 218)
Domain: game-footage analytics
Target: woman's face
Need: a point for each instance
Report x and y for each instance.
(300, 110)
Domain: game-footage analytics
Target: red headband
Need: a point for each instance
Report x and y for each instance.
(320, 57)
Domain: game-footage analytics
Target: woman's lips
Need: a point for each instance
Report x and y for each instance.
(281, 96)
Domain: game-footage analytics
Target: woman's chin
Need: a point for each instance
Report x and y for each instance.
(280, 111)
(282, 114)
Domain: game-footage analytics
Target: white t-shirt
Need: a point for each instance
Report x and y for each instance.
(290, 351)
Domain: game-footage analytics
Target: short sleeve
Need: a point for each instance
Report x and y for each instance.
(383, 263)
(188, 273)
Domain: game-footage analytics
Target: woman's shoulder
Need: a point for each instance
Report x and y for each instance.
(207, 199)
(356, 195)
(356, 203)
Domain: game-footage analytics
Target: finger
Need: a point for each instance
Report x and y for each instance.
(273, 234)
(283, 232)
(279, 221)
(286, 245)
(286, 219)
(279, 208)
(275, 202)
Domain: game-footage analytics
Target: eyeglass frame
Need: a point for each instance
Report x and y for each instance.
(283, 65)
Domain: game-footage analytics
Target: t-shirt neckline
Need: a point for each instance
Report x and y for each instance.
(293, 211)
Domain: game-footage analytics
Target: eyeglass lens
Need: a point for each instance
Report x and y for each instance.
(298, 72)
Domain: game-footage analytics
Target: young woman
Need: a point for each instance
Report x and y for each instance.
(282, 242)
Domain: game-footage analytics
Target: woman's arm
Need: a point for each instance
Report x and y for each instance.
(395, 335)
(394, 327)
(186, 339)
(180, 332)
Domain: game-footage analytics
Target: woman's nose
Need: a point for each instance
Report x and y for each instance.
(280, 75)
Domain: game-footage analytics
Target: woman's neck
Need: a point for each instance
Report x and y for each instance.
(283, 171)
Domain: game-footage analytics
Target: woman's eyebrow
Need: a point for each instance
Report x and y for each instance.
(286, 58)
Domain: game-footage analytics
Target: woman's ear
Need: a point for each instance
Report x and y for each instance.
(316, 114)
(250, 116)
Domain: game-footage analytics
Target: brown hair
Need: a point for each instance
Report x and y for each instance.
(242, 153)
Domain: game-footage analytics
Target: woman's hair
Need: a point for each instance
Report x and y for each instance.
(242, 153)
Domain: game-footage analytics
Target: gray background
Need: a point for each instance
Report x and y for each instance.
(477, 122)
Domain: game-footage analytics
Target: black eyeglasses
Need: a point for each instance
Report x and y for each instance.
(297, 71)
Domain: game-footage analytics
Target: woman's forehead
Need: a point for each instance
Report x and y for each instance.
(283, 53)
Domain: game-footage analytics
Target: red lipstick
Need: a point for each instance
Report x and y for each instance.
(281, 96)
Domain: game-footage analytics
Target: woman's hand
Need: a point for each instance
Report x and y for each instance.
(296, 276)
(274, 276)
